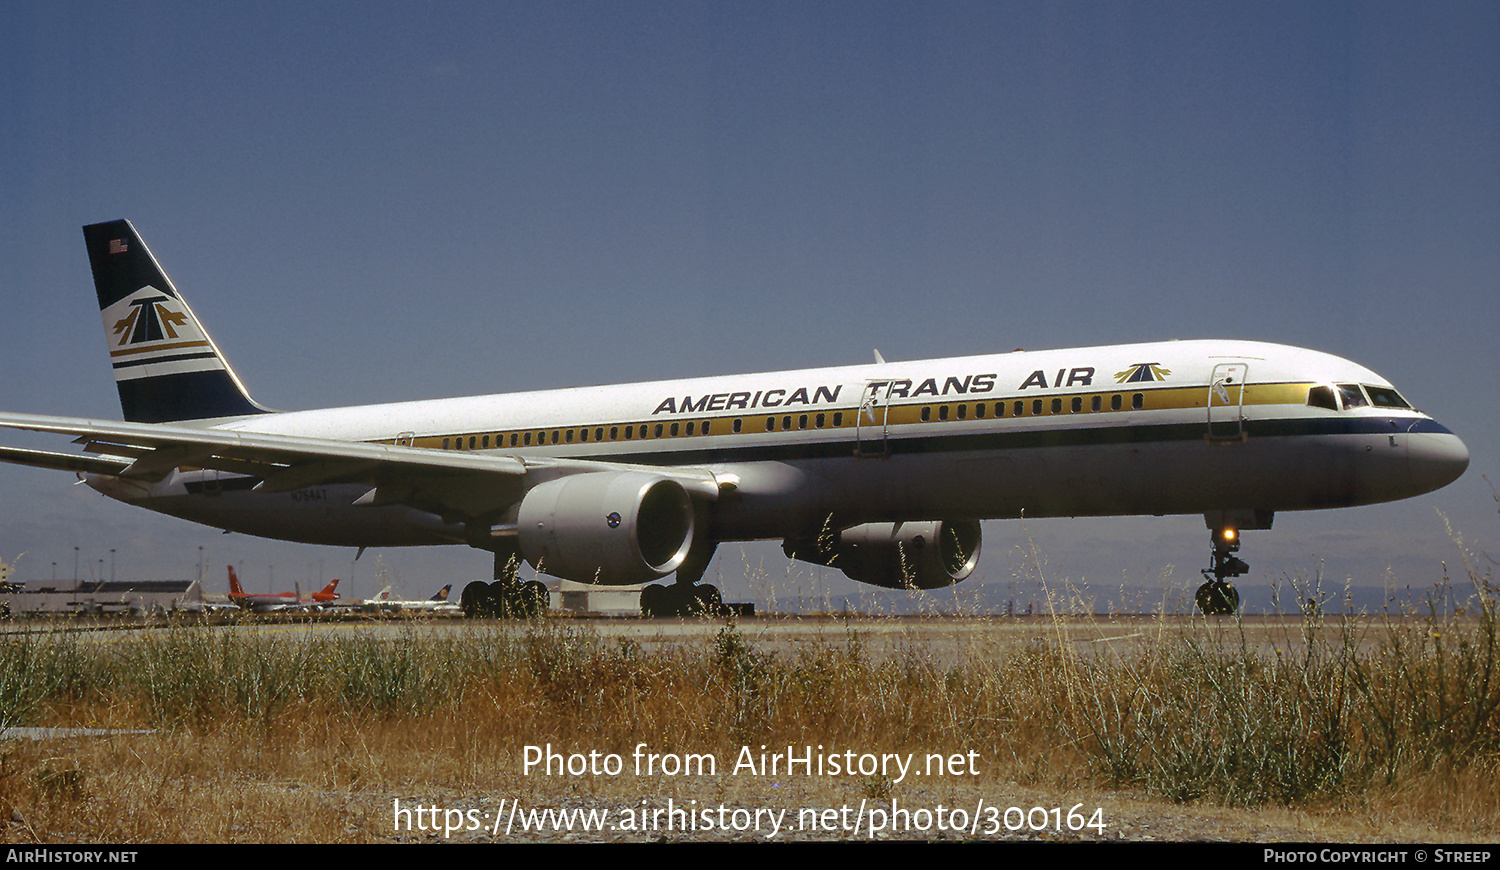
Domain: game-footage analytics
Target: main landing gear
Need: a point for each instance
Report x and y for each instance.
(685, 596)
(1217, 596)
(507, 597)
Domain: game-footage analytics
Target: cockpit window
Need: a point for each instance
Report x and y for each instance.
(1352, 395)
(1385, 397)
(1322, 397)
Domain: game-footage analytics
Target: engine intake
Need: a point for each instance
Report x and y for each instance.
(610, 528)
(924, 555)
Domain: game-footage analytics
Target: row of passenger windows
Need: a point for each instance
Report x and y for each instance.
(1037, 407)
(787, 422)
(567, 436)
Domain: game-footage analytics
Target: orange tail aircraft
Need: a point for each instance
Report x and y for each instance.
(276, 600)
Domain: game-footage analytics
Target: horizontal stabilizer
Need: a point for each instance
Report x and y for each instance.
(62, 461)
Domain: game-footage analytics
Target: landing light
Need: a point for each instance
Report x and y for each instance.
(1227, 539)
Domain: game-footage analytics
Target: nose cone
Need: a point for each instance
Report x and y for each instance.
(1436, 456)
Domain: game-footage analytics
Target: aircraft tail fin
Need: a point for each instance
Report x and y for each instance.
(166, 367)
(442, 594)
(234, 582)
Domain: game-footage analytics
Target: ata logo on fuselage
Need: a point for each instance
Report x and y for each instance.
(1139, 372)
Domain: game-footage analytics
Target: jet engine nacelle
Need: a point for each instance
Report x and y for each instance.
(611, 528)
(926, 555)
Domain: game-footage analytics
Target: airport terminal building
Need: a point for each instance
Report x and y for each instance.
(108, 598)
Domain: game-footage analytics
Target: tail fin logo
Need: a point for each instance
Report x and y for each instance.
(152, 333)
(148, 320)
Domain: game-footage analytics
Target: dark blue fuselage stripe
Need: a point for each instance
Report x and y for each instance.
(164, 359)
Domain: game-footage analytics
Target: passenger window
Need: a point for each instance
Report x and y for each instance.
(614, 433)
(657, 432)
(1077, 404)
(963, 412)
(786, 423)
(1057, 406)
(599, 434)
(674, 430)
(1114, 402)
(569, 437)
(979, 411)
(770, 424)
(838, 418)
(738, 423)
(445, 443)
(1322, 397)
(802, 421)
(943, 412)
(1020, 409)
(818, 421)
(1352, 396)
(1036, 407)
(1137, 401)
(926, 414)
(1096, 403)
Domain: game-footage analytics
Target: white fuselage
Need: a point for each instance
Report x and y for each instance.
(1164, 428)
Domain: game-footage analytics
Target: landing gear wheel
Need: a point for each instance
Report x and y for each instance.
(500, 604)
(655, 601)
(533, 600)
(1218, 598)
(474, 600)
(706, 601)
(681, 600)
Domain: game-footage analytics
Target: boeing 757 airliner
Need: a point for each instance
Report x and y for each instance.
(882, 470)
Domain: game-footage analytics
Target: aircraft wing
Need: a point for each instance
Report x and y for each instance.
(469, 484)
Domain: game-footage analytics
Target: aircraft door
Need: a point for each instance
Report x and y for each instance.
(1226, 401)
(870, 421)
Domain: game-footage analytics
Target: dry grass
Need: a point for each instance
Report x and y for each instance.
(308, 738)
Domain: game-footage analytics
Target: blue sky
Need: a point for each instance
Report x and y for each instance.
(382, 201)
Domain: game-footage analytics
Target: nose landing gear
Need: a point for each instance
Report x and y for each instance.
(1217, 596)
